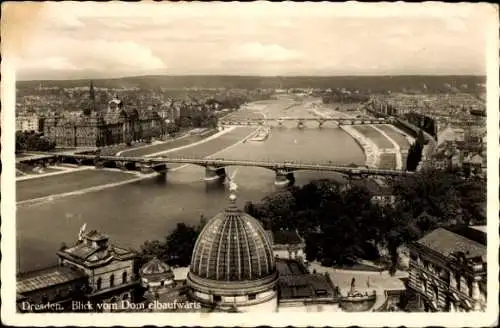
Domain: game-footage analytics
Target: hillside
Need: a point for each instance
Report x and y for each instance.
(373, 83)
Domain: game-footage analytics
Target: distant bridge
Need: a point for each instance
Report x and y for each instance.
(302, 120)
(214, 168)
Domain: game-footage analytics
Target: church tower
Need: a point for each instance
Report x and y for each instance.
(90, 108)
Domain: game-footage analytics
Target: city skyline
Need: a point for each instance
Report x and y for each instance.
(115, 40)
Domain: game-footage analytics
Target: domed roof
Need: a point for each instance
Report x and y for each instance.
(233, 247)
(155, 267)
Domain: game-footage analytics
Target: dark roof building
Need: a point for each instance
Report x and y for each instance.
(93, 270)
(287, 244)
(448, 270)
(300, 290)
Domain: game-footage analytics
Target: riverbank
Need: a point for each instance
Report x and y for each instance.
(200, 142)
(99, 179)
(370, 149)
(374, 154)
(158, 146)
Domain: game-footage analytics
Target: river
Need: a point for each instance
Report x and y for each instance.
(149, 209)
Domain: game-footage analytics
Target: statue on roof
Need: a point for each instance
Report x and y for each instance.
(81, 233)
(233, 187)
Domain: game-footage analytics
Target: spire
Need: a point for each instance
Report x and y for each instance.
(92, 95)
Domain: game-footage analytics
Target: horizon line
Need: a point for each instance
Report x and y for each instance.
(251, 75)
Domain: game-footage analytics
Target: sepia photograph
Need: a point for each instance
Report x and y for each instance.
(197, 163)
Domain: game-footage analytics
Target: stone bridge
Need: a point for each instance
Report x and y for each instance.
(278, 121)
(215, 169)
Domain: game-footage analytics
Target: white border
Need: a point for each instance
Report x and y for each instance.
(8, 207)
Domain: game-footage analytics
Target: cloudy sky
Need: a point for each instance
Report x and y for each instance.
(80, 40)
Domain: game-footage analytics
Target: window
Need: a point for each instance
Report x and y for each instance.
(217, 298)
(112, 280)
(98, 283)
(436, 292)
(252, 297)
(124, 277)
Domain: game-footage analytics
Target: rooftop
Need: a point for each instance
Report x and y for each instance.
(47, 277)
(155, 267)
(296, 283)
(94, 247)
(290, 267)
(447, 243)
(233, 246)
(284, 237)
(308, 286)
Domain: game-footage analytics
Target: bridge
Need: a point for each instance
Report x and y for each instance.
(278, 121)
(215, 169)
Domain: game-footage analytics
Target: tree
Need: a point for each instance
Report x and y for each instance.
(415, 152)
(180, 244)
(30, 141)
(172, 128)
(151, 249)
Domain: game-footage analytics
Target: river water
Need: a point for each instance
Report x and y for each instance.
(150, 209)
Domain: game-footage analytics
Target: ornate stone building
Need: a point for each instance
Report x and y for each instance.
(233, 266)
(93, 270)
(118, 124)
(448, 271)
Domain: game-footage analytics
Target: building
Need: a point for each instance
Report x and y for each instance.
(234, 268)
(28, 122)
(287, 245)
(448, 271)
(102, 129)
(158, 280)
(118, 124)
(233, 265)
(93, 270)
(56, 285)
(299, 290)
(382, 194)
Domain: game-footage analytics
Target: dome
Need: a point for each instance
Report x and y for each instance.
(156, 269)
(233, 247)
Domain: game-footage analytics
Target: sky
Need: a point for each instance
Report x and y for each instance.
(80, 40)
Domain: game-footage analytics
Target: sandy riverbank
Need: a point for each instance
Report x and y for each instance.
(371, 150)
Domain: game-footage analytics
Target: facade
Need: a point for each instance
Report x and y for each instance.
(28, 122)
(103, 129)
(233, 266)
(448, 271)
(115, 125)
(54, 285)
(93, 271)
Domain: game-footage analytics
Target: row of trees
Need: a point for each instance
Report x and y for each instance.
(32, 141)
(346, 98)
(176, 248)
(415, 152)
(341, 224)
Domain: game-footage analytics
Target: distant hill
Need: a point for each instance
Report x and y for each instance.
(373, 83)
